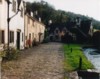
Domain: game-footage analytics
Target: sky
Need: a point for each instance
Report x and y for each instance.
(89, 8)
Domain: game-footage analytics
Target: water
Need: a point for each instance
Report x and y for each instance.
(94, 56)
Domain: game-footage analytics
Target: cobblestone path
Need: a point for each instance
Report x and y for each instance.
(42, 62)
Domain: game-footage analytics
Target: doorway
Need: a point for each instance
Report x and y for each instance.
(18, 40)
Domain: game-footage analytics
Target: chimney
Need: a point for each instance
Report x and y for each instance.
(78, 21)
(36, 12)
(31, 14)
(39, 19)
(50, 22)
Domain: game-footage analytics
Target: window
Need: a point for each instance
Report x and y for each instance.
(28, 20)
(2, 37)
(33, 22)
(0, 1)
(21, 12)
(11, 36)
(22, 37)
(57, 31)
(30, 36)
(14, 5)
(25, 37)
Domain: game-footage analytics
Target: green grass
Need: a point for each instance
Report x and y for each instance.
(72, 58)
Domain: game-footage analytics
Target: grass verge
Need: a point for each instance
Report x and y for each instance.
(72, 54)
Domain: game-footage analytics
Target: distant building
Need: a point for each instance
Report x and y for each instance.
(34, 30)
(85, 31)
(72, 31)
(58, 30)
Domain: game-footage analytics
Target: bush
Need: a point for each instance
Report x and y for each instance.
(46, 40)
(2, 54)
(12, 54)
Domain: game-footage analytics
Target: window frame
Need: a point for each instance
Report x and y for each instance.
(0, 1)
(11, 39)
(22, 37)
(21, 12)
(14, 6)
(30, 36)
(28, 20)
(2, 36)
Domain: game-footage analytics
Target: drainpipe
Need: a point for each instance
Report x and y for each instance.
(8, 20)
(24, 22)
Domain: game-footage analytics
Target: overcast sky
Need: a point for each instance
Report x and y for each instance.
(86, 7)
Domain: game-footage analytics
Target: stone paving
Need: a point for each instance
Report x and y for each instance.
(42, 62)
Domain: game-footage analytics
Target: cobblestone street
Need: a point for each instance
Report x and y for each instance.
(42, 62)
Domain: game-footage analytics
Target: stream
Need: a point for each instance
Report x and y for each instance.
(93, 55)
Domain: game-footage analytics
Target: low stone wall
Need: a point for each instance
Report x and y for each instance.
(88, 75)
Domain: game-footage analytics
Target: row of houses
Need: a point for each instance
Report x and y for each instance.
(24, 29)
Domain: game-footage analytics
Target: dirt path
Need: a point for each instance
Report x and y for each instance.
(41, 62)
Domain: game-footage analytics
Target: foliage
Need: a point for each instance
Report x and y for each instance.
(48, 12)
(96, 24)
(2, 54)
(72, 54)
(96, 39)
(12, 54)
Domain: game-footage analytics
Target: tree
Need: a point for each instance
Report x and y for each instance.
(47, 12)
(96, 38)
